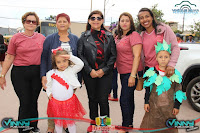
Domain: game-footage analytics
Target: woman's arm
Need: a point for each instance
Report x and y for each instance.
(80, 50)
(44, 57)
(113, 55)
(174, 47)
(136, 53)
(44, 62)
(7, 63)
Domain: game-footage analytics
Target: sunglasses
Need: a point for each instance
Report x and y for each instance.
(31, 21)
(97, 18)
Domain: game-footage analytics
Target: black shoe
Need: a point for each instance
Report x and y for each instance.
(66, 130)
(35, 130)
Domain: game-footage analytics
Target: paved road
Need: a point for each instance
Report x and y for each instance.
(9, 108)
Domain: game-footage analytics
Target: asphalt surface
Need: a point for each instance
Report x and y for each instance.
(9, 104)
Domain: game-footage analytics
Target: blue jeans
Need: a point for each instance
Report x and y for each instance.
(114, 83)
(127, 100)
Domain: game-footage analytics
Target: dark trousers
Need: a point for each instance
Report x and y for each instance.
(27, 85)
(98, 90)
(114, 83)
(127, 100)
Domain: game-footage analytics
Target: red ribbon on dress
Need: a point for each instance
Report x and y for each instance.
(55, 50)
(60, 80)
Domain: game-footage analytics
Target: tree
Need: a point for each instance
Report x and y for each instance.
(113, 25)
(51, 17)
(158, 13)
(195, 29)
(178, 31)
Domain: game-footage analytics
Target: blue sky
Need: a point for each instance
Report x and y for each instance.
(78, 10)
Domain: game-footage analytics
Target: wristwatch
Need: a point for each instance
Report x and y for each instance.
(1, 76)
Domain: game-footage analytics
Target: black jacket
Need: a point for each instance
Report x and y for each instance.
(87, 52)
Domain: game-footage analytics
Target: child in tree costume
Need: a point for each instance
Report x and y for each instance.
(163, 95)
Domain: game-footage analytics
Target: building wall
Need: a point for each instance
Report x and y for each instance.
(8, 31)
(77, 28)
(173, 25)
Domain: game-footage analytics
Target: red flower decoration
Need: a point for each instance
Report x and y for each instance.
(55, 50)
(103, 32)
(60, 80)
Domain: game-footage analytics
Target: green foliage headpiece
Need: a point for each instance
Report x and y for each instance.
(163, 47)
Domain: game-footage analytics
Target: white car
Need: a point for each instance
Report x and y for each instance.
(189, 66)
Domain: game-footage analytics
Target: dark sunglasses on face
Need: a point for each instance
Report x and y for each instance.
(31, 21)
(97, 18)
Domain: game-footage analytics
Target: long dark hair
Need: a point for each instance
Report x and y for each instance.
(1, 39)
(88, 26)
(154, 22)
(120, 31)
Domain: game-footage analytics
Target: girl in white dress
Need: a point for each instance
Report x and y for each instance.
(61, 82)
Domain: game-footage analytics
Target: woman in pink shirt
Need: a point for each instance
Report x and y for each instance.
(24, 52)
(153, 32)
(129, 46)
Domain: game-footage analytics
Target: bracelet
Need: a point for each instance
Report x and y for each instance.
(1, 76)
(133, 76)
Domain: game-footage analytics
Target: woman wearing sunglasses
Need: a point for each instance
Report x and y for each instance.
(24, 52)
(96, 48)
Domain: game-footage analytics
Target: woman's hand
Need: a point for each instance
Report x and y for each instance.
(175, 111)
(44, 82)
(169, 71)
(146, 107)
(100, 73)
(131, 81)
(2, 82)
(93, 74)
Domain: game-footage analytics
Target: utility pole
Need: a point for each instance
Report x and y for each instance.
(104, 10)
(183, 22)
(91, 7)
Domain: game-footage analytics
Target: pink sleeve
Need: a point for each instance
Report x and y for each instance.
(135, 38)
(174, 47)
(12, 46)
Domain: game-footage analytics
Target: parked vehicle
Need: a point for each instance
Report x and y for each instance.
(189, 66)
(7, 38)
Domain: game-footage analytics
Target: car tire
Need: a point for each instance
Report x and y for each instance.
(193, 93)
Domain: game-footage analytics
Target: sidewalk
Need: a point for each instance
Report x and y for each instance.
(9, 108)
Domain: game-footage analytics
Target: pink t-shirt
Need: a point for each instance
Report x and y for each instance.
(125, 56)
(149, 42)
(27, 50)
